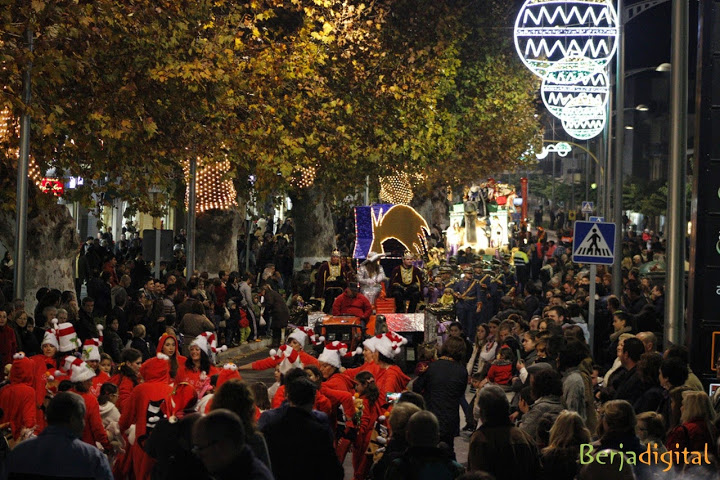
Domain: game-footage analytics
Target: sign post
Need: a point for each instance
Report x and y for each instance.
(595, 246)
(587, 209)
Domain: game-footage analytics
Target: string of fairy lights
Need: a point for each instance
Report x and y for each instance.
(213, 190)
(8, 126)
(303, 177)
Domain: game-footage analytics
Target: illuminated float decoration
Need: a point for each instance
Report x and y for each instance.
(377, 224)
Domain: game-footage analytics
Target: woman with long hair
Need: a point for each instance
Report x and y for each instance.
(559, 458)
(198, 367)
(371, 277)
(483, 352)
(128, 376)
(696, 432)
(168, 345)
(26, 339)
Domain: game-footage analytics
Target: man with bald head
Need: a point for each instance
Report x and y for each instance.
(649, 340)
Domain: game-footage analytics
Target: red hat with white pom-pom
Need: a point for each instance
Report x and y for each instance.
(207, 342)
(390, 344)
(287, 358)
(77, 369)
(333, 353)
(302, 335)
(228, 372)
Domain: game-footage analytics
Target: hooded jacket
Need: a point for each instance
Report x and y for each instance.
(179, 358)
(17, 400)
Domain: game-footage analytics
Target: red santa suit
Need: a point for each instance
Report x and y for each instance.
(125, 386)
(272, 362)
(155, 389)
(391, 379)
(17, 399)
(97, 382)
(45, 384)
(94, 430)
(358, 306)
(198, 379)
(178, 358)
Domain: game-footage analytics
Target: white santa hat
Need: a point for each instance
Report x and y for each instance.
(207, 342)
(50, 339)
(67, 338)
(389, 344)
(91, 350)
(333, 353)
(288, 358)
(302, 335)
(77, 369)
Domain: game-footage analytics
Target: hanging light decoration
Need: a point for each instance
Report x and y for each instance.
(214, 192)
(396, 189)
(303, 177)
(5, 123)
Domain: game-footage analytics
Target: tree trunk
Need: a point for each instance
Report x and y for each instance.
(434, 207)
(216, 241)
(314, 227)
(52, 243)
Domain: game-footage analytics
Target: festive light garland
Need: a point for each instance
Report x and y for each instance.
(213, 192)
(7, 127)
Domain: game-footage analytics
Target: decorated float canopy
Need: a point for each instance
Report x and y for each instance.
(389, 229)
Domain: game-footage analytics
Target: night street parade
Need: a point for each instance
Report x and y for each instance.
(360, 240)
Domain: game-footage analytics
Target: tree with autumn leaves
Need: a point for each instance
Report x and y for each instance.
(125, 92)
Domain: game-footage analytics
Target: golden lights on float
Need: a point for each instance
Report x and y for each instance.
(214, 191)
(396, 189)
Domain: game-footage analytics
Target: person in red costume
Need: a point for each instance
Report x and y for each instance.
(352, 302)
(143, 411)
(229, 371)
(8, 342)
(297, 341)
(47, 364)
(168, 345)
(198, 366)
(379, 352)
(17, 400)
(81, 376)
(128, 377)
(91, 355)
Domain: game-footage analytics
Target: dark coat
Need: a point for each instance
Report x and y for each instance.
(276, 310)
(296, 430)
(505, 451)
(630, 386)
(443, 385)
(424, 463)
(85, 326)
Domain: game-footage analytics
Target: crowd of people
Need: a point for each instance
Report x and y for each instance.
(127, 380)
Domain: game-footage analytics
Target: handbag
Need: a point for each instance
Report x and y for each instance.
(262, 321)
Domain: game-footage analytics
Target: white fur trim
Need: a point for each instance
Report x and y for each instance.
(162, 356)
(273, 353)
(230, 366)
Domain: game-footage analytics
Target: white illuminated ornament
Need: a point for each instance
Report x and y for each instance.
(556, 95)
(561, 148)
(548, 31)
(584, 118)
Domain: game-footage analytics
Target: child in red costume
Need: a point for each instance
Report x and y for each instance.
(501, 370)
(91, 355)
(297, 341)
(143, 407)
(17, 400)
(128, 377)
(47, 364)
(81, 376)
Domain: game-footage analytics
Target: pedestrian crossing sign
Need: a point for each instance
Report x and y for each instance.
(594, 243)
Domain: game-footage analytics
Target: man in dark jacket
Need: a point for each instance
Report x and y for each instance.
(297, 431)
(219, 441)
(497, 447)
(423, 459)
(276, 312)
(630, 386)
